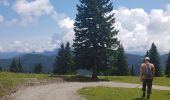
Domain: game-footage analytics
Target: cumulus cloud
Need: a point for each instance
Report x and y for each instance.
(1, 18)
(67, 34)
(4, 2)
(30, 11)
(29, 46)
(138, 29)
(1, 49)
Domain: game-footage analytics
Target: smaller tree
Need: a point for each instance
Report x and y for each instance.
(155, 59)
(59, 65)
(146, 55)
(20, 68)
(167, 70)
(121, 63)
(38, 68)
(132, 71)
(68, 58)
(13, 66)
(0, 68)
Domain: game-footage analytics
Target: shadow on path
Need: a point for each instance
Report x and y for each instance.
(76, 78)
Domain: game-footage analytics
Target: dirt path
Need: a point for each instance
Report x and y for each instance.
(66, 90)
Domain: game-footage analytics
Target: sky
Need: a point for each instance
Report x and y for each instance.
(42, 25)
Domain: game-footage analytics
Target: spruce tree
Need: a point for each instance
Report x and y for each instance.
(167, 70)
(68, 58)
(60, 65)
(121, 63)
(132, 71)
(147, 54)
(95, 35)
(14, 66)
(0, 68)
(20, 68)
(154, 57)
(38, 68)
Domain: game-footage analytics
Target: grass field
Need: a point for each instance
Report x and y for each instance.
(9, 81)
(163, 81)
(106, 93)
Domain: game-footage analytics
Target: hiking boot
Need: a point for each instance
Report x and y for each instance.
(148, 96)
(143, 96)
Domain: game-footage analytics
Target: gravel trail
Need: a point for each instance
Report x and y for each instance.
(66, 90)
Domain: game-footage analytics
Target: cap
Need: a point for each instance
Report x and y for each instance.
(147, 58)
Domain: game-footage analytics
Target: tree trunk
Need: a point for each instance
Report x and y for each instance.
(94, 74)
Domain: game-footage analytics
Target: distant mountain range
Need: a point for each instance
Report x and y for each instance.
(47, 58)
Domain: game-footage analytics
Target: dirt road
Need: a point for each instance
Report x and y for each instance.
(66, 90)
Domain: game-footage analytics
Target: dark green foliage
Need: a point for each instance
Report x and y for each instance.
(38, 68)
(146, 55)
(121, 63)
(154, 57)
(68, 58)
(14, 66)
(20, 68)
(167, 70)
(64, 61)
(95, 39)
(132, 71)
(0, 68)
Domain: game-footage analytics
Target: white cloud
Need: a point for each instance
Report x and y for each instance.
(1, 19)
(138, 29)
(66, 23)
(1, 49)
(29, 46)
(66, 26)
(4, 2)
(30, 11)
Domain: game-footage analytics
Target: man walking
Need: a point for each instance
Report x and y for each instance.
(147, 72)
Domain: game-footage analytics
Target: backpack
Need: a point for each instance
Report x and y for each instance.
(147, 72)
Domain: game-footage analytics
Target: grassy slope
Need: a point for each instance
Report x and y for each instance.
(105, 93)
(163, 81)
(9, 81)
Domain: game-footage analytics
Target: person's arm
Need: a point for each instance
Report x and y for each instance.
(153, 72)
(141, 73)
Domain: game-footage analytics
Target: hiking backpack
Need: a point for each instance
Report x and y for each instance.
(148, 72)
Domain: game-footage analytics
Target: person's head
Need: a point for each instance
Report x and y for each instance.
(147, 60)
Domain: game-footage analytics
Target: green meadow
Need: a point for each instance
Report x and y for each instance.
(9, 81)
(108, 93)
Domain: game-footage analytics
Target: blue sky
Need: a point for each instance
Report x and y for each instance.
(39, 25)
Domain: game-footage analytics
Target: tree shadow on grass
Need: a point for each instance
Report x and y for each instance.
(77, 78)
(139, 98)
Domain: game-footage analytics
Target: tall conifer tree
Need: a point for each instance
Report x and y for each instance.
(95, 35)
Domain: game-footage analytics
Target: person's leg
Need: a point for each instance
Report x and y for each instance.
(149, 88)
(144, 87)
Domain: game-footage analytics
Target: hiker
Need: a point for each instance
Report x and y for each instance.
(147, 72)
